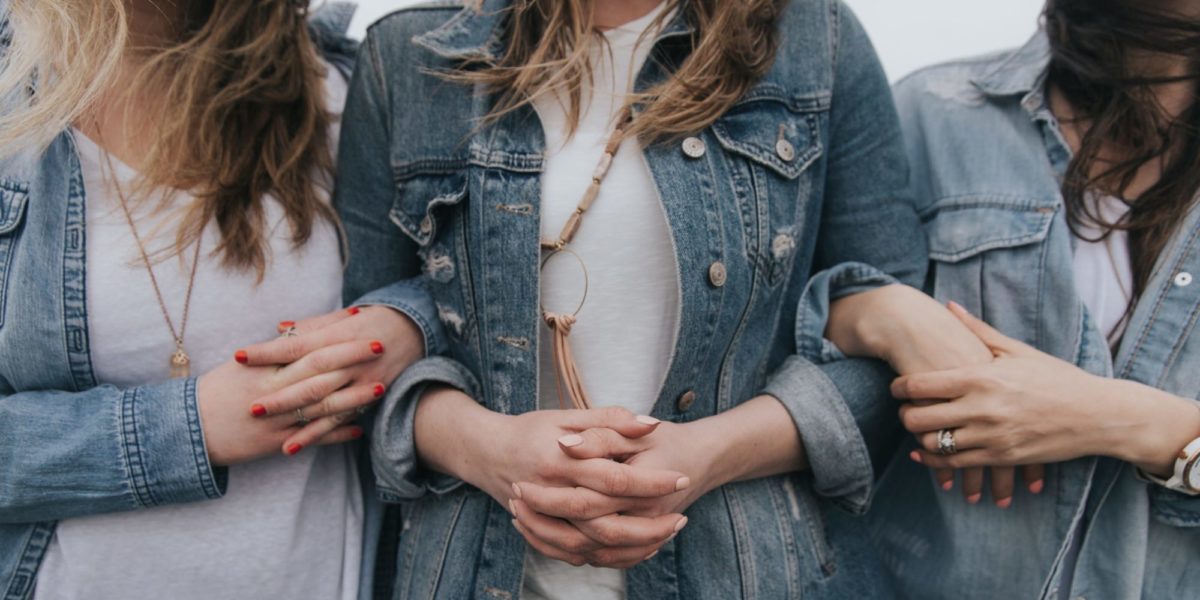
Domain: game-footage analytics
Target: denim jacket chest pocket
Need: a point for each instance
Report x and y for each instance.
(771, 140)
(986, 252)
(13, 197)
(429, 209)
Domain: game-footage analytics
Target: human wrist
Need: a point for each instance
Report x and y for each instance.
(860, 325)
(1152, 426)
(446, 420)
(716, 451)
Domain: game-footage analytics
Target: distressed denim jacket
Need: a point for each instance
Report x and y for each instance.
(805, 174)
(69, 447)
(987, 158)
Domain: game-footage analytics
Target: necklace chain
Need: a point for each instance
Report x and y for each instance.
(180, 361)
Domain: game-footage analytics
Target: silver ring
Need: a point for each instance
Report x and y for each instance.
(290, 332)
(300, 418)
(945, 442)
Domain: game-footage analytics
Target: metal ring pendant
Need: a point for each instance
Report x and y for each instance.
(582, 267)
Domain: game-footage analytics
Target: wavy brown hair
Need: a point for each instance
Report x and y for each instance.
(1100, 54)
(733, 44)
(238, 110)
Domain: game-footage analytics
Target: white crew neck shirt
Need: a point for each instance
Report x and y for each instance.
(287, 527)
(625, 334)
(1103, 269)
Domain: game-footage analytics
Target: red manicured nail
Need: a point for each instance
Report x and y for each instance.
(1037, 486)
(294, 448)
(353, 310)
(379, 390)
(258, 410)
(948, 484)
(974, 498)
(915, 456)
(377, 347)
(356, 432)
(241, 357)
(1004, 502)
(286, 324)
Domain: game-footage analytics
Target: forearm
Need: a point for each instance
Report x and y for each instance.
(1141, 425)
(755, 439)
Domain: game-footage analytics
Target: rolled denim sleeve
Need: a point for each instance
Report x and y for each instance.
(70, 454)
(869, 236)
(398, 472)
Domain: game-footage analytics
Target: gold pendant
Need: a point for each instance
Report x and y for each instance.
(181, 364)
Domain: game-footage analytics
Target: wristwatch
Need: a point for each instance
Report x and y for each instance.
(1186, 478)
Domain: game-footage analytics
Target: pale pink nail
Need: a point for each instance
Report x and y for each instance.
(682, 483)
(948, 484)
(956, 307)
(647, 420)
(516, 490)
(1004, 502)
(1037, 486)
(512, 506)
(681, 524)
(915, 456)
(570, 440)
(974, 498)
(651, 555)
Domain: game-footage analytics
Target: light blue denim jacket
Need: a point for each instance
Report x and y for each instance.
(987, 158)
(69, 447)
(457, 199)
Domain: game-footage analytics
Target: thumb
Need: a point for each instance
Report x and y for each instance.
(997, 342)
(615, 418)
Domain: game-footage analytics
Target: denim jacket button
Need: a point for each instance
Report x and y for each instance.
(716, 274)
(1183, 279)
(686, 400)
(785, 150)
(693, 147)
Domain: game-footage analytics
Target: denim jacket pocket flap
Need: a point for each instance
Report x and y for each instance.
(418, 200)
(780, 136)
(12, 205)
(966, 227)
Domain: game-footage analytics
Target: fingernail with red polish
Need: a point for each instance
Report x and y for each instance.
(974, 498)
(377, 347)
(286, 324)
(353, 310)
(356, 432)
(1037, 486)
(948, 484)
(294, 448)
(241, 357)
(379, 390)
(915, 456)
(1004, 502)
(258, 410)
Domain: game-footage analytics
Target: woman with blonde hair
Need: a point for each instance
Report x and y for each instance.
(164, 177)
(617, 207)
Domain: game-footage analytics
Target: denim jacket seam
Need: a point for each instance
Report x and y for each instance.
(134, 461)
(1159, 300)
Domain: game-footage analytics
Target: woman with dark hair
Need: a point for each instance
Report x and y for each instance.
(1057, 184)
(618, 206)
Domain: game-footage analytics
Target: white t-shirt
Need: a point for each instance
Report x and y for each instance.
(625, 334)
(1103, 269)
(287, 527)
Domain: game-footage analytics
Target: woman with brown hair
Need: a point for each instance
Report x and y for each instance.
(617, 207)
(1058, 185)
(164, 186)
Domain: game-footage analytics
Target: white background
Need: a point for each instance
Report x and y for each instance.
(907, 33)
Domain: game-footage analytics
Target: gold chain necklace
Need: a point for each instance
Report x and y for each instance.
(560, 324)
(180, 363)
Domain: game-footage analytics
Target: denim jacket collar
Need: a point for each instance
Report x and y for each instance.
(474, 33)
(1020, 73)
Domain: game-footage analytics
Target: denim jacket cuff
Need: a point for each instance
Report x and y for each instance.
(1176, 509)
(398, 474)
(412, 299)
(823, 288)
(154, 419)
(837, 455)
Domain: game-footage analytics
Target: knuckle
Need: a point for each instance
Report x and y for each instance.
(293, 349)
(616, 481)
(578, 506)
(577, 544)
(605, 534)
(617, 413)
(929, 442)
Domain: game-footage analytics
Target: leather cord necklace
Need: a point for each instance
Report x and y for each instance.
(560, 324)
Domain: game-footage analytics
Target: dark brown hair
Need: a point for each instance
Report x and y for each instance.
(1103, 54)
(733, 46)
